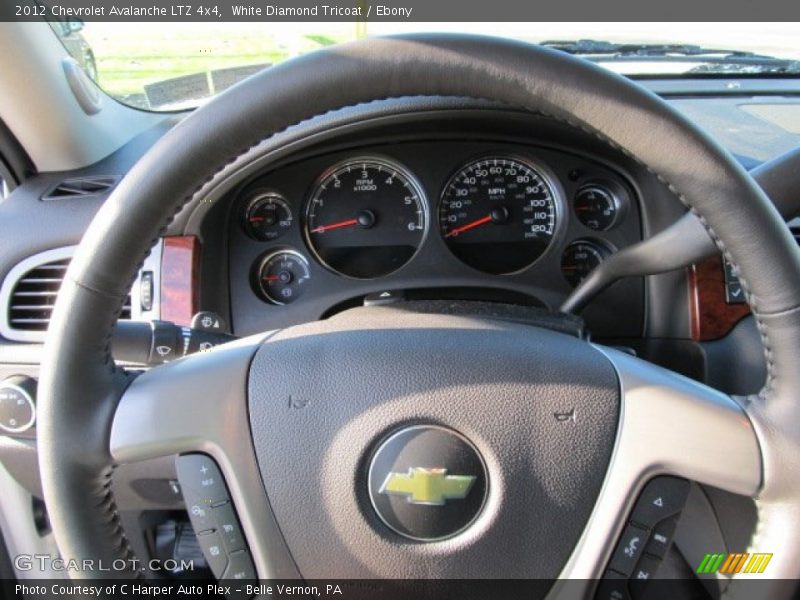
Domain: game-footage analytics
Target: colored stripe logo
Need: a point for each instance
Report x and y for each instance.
(734, 563)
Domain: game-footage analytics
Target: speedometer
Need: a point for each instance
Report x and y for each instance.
(499, 214)
(365, 217)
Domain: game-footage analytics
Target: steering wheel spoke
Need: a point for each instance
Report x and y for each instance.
(199, 404)
(672, 424)
(669, 425)
(188, 405)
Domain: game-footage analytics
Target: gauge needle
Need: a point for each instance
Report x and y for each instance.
(324, 228)
(271, 278)
(468, 226)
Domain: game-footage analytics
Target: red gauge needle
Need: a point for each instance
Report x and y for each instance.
(468, 226)
(324, 228)
(271, 278)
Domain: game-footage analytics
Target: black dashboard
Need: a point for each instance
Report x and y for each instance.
(499, 210)
(512, 245)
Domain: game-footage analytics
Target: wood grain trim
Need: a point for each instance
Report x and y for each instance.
(711, 316)
(180, 279)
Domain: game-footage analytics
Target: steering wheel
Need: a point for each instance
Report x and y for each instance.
(303, 422)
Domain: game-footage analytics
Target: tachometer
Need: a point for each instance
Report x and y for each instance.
(365, 217)
(499, 214)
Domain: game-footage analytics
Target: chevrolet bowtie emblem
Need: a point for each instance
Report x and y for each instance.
(427, 486)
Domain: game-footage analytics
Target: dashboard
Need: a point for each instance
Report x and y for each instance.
(446, 214)
(422, 199)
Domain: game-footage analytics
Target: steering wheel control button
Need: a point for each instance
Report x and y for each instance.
(17, 409)
(214, 551)
(662, 498)
(240, 566)
(661, 539)
(646, 539)
(200, 478)
(613, 586)
(645, 571)
(200, 516)
(427, 483)
(629, 549)
(734, 292)
(228, 527)
(146, 290)
(213, 517)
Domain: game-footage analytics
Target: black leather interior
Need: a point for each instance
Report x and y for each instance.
(79, 384)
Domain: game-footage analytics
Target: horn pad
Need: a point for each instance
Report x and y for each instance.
(534, 410)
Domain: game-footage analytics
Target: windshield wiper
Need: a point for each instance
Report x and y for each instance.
(715, 60)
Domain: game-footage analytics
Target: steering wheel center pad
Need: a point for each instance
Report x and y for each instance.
(323, 395)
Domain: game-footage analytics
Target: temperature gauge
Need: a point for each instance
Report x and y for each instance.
(268, 217)
(581, 258)
(283, 276)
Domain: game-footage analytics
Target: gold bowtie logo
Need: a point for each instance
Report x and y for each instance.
(427, 486)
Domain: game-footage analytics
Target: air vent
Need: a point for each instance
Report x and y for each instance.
(795, 229)
(32, 298)
(80, 187)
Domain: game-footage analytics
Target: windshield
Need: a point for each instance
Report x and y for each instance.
(171, 66)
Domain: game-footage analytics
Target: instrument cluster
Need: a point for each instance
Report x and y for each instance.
(365, 217)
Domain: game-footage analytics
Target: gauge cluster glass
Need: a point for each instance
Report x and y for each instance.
(282, 276)
(499, 214)
(597, 207)
(268, 216)
(365, 217)
(582, 257)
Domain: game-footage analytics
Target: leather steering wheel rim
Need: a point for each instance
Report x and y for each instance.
(80, 385)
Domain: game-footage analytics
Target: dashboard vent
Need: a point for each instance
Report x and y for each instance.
(34, 294)
(80, 187)
(795, 229)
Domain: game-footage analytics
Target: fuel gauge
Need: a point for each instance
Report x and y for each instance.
(282, 277)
